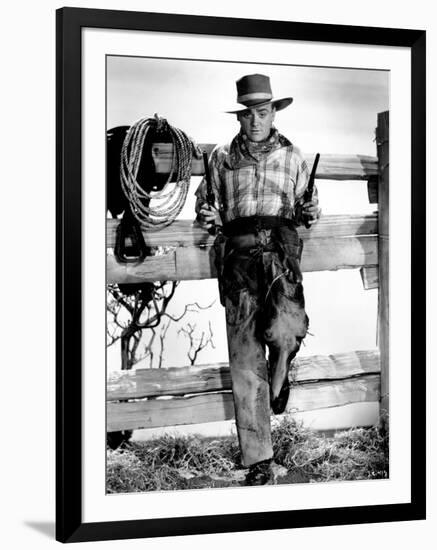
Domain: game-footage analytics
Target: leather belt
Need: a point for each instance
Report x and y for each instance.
(252, 241)
(254, 224)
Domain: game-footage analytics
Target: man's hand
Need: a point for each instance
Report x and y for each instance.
(311, 211)
(208, 216)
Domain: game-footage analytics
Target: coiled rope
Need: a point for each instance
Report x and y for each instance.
(170, 200)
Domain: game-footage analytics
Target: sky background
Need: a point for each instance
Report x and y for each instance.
(334, 111)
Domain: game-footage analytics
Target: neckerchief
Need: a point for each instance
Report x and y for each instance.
(244, 152)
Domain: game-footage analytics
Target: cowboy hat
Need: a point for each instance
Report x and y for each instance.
(254, 90)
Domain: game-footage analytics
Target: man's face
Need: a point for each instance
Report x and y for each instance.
(257, 123)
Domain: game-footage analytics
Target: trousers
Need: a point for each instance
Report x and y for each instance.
(266, 323)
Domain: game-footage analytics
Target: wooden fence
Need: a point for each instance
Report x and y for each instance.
(146, 398)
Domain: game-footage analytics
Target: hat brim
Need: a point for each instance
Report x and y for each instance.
(279, 104)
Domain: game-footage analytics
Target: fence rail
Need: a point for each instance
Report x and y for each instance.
(203, 394)
(336, 242)
(331, 167)
(187, 233)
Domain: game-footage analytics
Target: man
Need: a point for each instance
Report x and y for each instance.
(259, 180)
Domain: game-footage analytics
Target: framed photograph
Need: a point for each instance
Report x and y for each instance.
(240, 271)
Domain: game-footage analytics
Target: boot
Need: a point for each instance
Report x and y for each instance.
(260, 473)
(278, 405)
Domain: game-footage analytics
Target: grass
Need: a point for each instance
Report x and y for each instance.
(188, 462)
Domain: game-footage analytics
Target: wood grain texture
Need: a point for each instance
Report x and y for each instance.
(189, 233)
(140, 383)
(214, 407)
(193, 263)
(323, 394)
(334, 167)
(154, 268)
(382, 141)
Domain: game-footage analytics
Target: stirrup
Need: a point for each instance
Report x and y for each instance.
(130, 246)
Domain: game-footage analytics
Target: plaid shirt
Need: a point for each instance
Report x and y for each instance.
(268, 182)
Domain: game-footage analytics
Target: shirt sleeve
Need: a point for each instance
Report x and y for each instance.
(201, 191)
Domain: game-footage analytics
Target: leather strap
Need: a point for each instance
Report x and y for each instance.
(254, 224)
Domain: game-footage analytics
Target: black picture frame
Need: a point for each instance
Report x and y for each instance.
(69, 524)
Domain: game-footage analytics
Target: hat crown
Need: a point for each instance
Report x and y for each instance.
(254, 91)
(253, 88)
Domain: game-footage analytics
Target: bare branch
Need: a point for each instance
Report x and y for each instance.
(161, 340)
(211, 335)
(159, 311)
(119, 297)
(189, 309)
(196, 344)
(133, 351)
(144, 308)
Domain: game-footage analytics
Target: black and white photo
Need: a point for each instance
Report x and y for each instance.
(239, 216)
(171, 335)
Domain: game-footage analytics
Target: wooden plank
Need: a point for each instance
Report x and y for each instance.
(330, 254)
(321, 395)
(193, 263)
(382, 141)
(344, 167)
(370, 277)
(154, 413)
(212, 407)
(333, 167)
(140, 383)
(335, 366)
(154, 268)
(189, 233)
(318, 255)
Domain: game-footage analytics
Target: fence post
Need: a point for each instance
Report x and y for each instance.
(382, 141)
